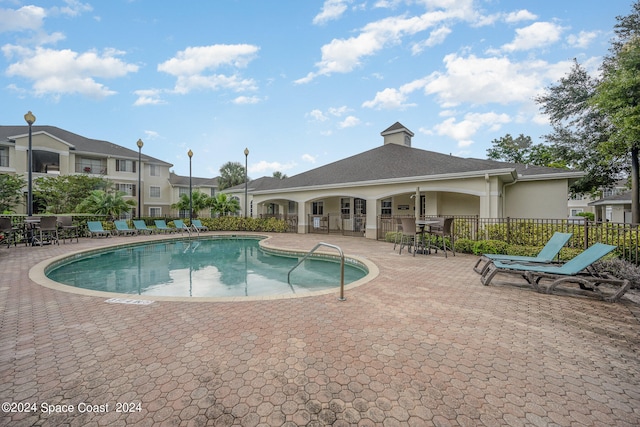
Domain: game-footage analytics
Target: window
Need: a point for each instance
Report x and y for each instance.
(125, 165)
(386, 207)
(154, 170)
(93, 166)
(317, 208)
(576, 211)
(360, 206)
(45, 161)
(154, 191)
(292, 207)
(345, 206)
(155, 212)
(127, 189)
(183, 190)
(4, 157)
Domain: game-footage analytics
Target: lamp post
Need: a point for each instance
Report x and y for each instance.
(139, 144)
(30, 119)
(190, 154)
(246, 157)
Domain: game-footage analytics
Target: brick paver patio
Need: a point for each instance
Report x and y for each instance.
(422, 344)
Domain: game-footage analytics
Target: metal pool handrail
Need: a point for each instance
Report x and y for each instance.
(341, 297)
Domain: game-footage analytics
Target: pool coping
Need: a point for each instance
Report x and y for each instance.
(38, 276)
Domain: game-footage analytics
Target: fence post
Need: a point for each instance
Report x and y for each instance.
(586, 233)
(508, 230)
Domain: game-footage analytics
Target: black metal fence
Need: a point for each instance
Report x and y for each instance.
(536, 232)
(345, 224)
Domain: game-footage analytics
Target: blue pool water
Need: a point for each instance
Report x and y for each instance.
(214, 267)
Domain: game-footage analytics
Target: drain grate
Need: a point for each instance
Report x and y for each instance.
(128, 301)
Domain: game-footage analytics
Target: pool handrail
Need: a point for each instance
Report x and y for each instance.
(341, 297)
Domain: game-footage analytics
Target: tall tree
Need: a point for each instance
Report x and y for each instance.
(279, 175)
(10, 191)
(231, 174)
(511, 150)
(618, 97)
(579, 129)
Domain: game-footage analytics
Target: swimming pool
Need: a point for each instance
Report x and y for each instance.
(207, 267)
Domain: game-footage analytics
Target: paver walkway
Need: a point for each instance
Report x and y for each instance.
(422, 344)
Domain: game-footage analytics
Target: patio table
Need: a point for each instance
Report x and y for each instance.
(422, 224)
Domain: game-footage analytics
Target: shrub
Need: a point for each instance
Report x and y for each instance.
(621, 269)
(490, 247)
(464, 246)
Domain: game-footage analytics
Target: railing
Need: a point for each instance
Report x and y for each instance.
(536, 232)
(345, 224)
(341, 297)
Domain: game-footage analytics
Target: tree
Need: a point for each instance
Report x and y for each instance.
(618, 97)
(225, 205)
(199, 201)
(579, 130)
(510, 150)
(109, 203)
(231, 174)
(279, 175)
(61, 194)
(10, 191)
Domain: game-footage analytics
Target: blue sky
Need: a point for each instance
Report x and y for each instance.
(299, 83)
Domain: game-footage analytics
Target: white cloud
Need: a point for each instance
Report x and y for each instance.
(331, 10)
(521, 15)
(242, 100)
(67, 72)
(436, 37)
(23, 19)
(464, 130)
(148, 97)
(263, 166)
(395, 99)
(308, 158)
(151, 134)
(581, 40)
(338, 111)
(349, 121)
(536, 35)
(344, 55)
(318, 115)
(490, 80)
(193, 67)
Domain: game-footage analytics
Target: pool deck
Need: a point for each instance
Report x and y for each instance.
(424, 343)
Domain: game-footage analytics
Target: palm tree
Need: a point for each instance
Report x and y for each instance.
(108, 203)
(199, 201)
(231, 173)
(225, 205)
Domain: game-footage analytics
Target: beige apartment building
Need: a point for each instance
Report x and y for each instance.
(60, 152)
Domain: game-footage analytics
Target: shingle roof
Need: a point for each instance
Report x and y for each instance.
(616, 199)
(396, 162)
(79, 143)
(183, 181)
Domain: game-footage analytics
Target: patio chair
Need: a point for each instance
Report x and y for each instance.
(67, 228)
(410, 237)
(196, 224)
(440, 232)
(122, 228)
(161, 226)
(47, 230)
(141, 227)
(550, 251)
(95, 228)
(10, 232)
(574, 271)
(181, 226)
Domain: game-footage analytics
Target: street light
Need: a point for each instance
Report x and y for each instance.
(190, 154)
(246, 157)
(139, 144)
(30, 119)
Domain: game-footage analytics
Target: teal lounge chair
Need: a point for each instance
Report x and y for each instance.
(574, 271)
(546, 255)
(161, 226)
(196, 224)
(141, 227)
(181, 226)
(95, 228)
(122, 228)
